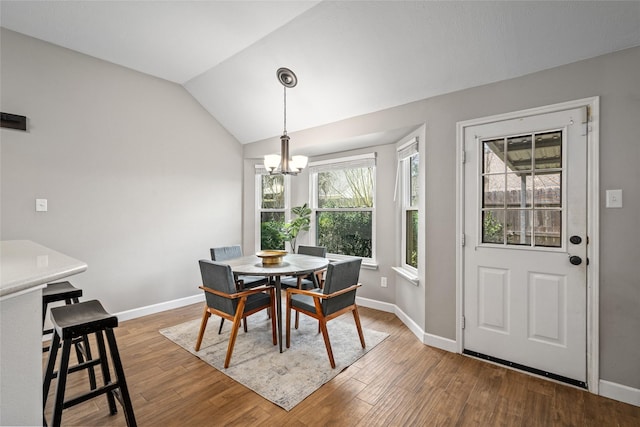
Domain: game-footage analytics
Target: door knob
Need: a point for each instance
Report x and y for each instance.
(575, 260)
(576, 240)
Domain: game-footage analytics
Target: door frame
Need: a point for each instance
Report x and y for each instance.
(593, 201)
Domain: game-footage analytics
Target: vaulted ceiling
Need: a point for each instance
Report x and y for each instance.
(351, 57)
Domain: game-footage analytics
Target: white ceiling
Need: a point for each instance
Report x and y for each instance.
(351, 57)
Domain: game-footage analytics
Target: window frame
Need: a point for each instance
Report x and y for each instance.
(260, 171)
(364, 160)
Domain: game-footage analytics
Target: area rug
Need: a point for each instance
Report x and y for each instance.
(291, 376)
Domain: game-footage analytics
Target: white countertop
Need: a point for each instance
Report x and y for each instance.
(25, 264)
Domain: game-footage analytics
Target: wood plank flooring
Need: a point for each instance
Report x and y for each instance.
(399, 383)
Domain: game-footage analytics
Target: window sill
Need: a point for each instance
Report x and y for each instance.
(409, 275)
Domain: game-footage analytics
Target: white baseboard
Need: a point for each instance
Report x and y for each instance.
(409, 323)
(425, 338)
(376, 305)
(619, 392)
(440, 342)
(157, 308)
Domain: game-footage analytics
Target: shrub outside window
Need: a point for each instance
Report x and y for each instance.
(344, 206)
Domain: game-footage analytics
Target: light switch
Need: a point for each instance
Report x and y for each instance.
(614, 198)
(41, 205)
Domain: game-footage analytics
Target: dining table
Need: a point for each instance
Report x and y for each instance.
(291, 265)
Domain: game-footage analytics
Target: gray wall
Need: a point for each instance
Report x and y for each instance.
(616, 79)
(140, 179)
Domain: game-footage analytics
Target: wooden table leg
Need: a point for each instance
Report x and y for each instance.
(279, 310)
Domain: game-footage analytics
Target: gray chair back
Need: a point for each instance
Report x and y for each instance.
(224, 253)
(219, 277)
(319, 251)
(340, 275)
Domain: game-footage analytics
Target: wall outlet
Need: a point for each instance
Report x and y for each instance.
(383, 282)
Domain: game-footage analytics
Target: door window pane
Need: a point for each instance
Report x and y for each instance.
(518, 227)
(493, 226)
(548, 224)
(493, 156)
(549, 150)
(548, 190)
(493, 191)
(519, 149)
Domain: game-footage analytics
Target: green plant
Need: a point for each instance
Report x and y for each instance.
(301, 222)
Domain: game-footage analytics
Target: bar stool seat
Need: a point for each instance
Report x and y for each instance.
(54, 292)
(79, 320)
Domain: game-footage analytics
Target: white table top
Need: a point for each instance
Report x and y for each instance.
(25, 264)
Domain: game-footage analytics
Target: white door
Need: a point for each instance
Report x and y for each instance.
(525, 252)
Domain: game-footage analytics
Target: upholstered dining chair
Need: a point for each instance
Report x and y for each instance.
(224, 300)
(335, 299)
(223, 253)
(306, 282)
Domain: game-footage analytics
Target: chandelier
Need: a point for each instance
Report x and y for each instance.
(282, 164)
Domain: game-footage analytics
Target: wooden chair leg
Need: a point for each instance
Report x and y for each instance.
(327, 343)
(288, 325)
(234, 330)
(203, 326)
(273, 318)
(356, 317)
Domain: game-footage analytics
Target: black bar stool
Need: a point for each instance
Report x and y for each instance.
(77, 320)
(65, 291)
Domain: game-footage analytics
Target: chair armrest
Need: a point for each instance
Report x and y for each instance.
(241, 294)
(324, 296)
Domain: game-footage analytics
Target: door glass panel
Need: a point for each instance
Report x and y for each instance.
(493, 226)
(518, 227)
(548, 190)
(519, 190)
(493, 155)
(522, 190)
(493, 191)
(548, 226)
(549, 150)
(519, 149)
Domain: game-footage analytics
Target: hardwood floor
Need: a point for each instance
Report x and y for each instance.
(399, 383)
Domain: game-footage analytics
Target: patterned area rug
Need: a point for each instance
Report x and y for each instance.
(293, 375)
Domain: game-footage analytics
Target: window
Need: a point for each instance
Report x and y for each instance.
(343, 201)
(272, 201)
(408, 165)
(522, 190)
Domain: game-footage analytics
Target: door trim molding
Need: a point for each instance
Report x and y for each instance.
(593, 203)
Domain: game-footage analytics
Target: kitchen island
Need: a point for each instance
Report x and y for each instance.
(25, 268)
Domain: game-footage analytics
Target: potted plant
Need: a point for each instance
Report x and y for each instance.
(301, 222)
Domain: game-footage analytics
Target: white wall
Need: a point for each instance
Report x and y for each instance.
(141, 181)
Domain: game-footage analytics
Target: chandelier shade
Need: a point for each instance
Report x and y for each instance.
(282, 164)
